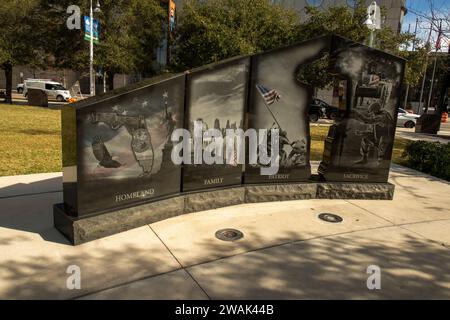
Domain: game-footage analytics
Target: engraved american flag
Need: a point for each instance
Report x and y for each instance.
(269, 95)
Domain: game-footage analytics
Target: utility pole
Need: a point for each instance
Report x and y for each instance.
(420, 111)
(413, 49)
(91, 48)
(435, 62)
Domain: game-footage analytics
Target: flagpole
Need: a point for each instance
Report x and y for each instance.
(273, 116)
(438, 44)
(420, 111)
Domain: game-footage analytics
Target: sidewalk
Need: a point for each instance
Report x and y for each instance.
(286, 252)
(410, 134)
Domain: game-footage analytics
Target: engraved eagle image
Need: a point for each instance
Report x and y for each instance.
(141, 144)
(102, 154)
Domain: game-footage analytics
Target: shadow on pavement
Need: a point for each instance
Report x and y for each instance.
(332, 268)
(28, 207)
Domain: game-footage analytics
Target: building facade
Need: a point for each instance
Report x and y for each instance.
(396, 9)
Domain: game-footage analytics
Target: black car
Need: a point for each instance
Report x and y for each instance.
(320, 109)
(315, 112)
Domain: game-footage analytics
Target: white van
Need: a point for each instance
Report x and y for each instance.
(53, 89)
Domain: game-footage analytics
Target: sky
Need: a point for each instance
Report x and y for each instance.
(422, 9)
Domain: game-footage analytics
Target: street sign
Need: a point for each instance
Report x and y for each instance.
(87, 29)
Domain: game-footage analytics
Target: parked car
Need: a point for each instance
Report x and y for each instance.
(320, 109)
(333, 113)
(20, 87)
(315, 112)
(406, 119)
(53, 89)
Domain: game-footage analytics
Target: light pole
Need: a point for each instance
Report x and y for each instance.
(373, 21)
(91, 48)
(438, 47)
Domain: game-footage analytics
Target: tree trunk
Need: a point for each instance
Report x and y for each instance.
(8, 76)
(110, 80)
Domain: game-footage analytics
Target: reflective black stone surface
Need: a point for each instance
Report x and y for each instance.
(359, 147)
(216, 99)
(123, 148)
(279, 100)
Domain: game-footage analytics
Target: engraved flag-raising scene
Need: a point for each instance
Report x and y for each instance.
(278, 100)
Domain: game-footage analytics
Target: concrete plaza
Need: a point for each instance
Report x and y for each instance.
(286, 252)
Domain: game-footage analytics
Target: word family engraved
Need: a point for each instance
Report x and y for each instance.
(213, 181)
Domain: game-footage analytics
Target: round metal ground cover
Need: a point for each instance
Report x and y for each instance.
(229, 234)
(330, 217)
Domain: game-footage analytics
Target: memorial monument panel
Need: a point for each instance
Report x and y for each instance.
(215, 98)
(123, 148)
(279, 100)
(359, 146)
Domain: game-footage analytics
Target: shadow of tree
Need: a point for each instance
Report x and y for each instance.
(331, 268)
(44, 276)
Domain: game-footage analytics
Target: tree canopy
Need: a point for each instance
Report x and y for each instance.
(218, 29)
(130, 32)
(209, 31)
(20, 41)
(349, 23)
(34, 32)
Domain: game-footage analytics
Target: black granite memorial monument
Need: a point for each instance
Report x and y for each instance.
(118, 154)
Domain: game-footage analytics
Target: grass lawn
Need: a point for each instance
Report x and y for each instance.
(31, 140)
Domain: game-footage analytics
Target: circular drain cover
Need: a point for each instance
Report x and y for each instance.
(229, 234)
(330, 217)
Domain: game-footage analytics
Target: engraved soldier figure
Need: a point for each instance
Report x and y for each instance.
(298, 153)
(378, 120)
(283, 141)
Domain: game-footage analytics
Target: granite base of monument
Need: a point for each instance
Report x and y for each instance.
(81, 230)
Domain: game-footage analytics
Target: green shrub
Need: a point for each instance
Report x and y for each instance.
(429, 157)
